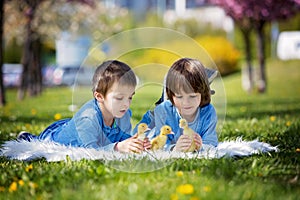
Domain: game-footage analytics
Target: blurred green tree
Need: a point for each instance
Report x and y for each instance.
(31, 79)
(34, 22)
(254, 15)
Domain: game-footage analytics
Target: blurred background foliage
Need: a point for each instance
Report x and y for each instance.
(222, 51)
(53, 18)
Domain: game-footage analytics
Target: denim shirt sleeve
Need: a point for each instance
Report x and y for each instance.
(209, 122)
(90, 134)
(165, 114)
(160, 117)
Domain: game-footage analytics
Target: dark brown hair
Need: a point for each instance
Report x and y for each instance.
(188, 75)
(109, 72)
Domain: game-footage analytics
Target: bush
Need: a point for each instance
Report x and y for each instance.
(151, 64)
(222, 52)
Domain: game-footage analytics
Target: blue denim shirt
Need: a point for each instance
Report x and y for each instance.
(87, 129)
(166, 114)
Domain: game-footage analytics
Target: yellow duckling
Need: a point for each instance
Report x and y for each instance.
(159, 141)
(142, 128)
(187, 131)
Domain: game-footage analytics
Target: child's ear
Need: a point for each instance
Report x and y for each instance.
(99, 97)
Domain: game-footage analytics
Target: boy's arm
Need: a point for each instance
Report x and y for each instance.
(90, 134)
(208, 134)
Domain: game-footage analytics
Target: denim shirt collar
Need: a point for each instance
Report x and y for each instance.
(100, 118)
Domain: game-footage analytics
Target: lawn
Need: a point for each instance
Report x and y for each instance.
(272, 117)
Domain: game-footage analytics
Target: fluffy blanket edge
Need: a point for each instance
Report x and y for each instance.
(52, 152)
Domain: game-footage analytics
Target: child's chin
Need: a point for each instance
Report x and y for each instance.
(120, 114)
(188, 112)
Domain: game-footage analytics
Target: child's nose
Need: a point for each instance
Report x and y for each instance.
(186, 101)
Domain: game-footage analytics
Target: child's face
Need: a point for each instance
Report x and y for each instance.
(118, 99)
(187, 104)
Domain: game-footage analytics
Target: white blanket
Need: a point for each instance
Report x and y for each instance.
(24, 150)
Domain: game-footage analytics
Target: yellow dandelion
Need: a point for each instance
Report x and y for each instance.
(298, 150)
(29, 168)
(272, 118)
(174, 197)
(13, 187)
(179, 173)
(288, 123)
(21, 182)
(185, 189)
(33, 111)
(57, 116)
(27, 126)
(194, 198)
(2, 189)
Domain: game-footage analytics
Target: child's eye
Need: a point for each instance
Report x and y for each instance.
(178, 97)
(193, 96)
(119, 98)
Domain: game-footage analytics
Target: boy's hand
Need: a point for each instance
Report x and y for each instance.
(184, 142)
(147, 145)
(198, 141)
(130, 145)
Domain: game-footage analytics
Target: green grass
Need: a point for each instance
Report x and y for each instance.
(272, 117)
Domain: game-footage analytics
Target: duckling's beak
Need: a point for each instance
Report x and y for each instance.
(172, 133)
